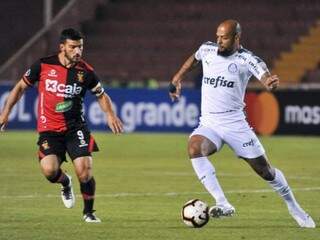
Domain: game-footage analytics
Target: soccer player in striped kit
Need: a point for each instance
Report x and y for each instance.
(62, 81)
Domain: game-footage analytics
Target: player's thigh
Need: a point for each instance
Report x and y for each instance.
(244, 143)
(50, 164)
(80, 143)
(83, 168)
(52, 150)
(203, 141)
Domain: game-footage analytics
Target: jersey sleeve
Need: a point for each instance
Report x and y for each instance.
(198, 54)
(257, 66)
(32, 75)
(204, 49)
(95, 85)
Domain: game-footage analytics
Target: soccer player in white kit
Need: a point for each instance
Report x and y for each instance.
(227, 68)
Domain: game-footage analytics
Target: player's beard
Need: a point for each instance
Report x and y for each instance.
(75, 59)
(225, 52)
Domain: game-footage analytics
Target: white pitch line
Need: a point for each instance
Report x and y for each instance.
(150, 194)
(234, 175)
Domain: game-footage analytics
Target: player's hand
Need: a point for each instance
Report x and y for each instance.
(115, 124)
(3, 123)
(272, 82)
(175, 90)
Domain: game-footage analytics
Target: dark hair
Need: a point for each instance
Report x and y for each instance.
(71, 34)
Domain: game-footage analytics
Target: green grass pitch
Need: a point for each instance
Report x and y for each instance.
(143, 181)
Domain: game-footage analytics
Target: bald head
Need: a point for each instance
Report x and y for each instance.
(231, 27)
(228, 36)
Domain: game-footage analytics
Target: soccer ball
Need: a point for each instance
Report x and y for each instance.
(195, 213)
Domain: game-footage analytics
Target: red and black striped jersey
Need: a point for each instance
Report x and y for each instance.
(61, 92)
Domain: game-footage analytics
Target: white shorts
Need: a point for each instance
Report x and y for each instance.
(239, 136)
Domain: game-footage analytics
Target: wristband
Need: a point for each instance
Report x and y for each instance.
(172, 88)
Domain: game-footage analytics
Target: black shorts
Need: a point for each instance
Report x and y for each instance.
(77, 143)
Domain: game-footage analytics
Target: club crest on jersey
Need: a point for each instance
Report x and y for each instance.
(207, 62)
(80, 76)
(219, 81)
(233, 68)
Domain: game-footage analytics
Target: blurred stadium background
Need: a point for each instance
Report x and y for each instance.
(140, 44)
(136, 46)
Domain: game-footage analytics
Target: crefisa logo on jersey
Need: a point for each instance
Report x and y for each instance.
(219, 81)
(233, 68)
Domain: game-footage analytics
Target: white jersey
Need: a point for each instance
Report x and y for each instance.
(225, 79)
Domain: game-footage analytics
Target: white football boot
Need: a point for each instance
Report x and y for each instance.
(91, 218)
(222, 211)
(67, 194)
(303, 219)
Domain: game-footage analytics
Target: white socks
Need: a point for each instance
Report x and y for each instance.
(280, 185)
(207, 175)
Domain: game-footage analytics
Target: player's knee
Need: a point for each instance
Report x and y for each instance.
(52, 175)
(194, 150)
(49, 171)
(200, 149)
(262, 167)
(266, 174)
(84, 176)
